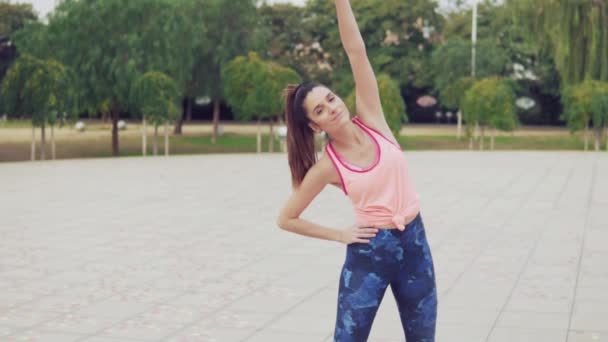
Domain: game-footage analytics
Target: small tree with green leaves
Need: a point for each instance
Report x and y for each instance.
(599, 107)
(586, 104)
(489, 102)
(39, 89)
(252, 88)
(393, 105)
(452, 96)
(154, 96)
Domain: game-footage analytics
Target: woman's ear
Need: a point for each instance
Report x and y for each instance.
(315, 127)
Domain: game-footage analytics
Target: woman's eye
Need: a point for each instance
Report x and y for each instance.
(331, 99)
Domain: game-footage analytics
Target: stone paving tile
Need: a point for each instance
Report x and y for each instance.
(527, 335)
(587, 336)
(42, 336)
(187, 249)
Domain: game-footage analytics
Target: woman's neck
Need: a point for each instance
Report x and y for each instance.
(348, 137)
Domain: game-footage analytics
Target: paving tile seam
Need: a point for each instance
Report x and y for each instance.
(283, 313)
(502, 228)
(455, 231)
(521, 271)
(582, 247)
(563, 188)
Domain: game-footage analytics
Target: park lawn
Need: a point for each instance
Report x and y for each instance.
(15, 124)
(97, 147)
(544, 143)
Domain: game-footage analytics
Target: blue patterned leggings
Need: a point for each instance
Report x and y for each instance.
(401, 259)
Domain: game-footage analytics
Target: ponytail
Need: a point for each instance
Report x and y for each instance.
(301, 152)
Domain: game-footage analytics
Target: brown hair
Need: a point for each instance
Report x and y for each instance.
(300, 137)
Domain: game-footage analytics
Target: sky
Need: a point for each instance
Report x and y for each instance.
(43, 7)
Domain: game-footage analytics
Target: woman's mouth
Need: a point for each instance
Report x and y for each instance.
(337, 116)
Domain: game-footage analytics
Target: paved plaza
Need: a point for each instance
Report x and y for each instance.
(186, 248)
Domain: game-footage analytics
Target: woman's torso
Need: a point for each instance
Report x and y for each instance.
(381, 192)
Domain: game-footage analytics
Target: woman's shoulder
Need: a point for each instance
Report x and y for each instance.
(326, 170)
(379, 126)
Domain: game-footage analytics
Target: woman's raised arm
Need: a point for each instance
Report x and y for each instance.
(368, 104)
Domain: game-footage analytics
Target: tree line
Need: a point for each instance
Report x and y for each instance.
(114, 58)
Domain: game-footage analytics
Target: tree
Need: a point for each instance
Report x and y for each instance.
(252, 88)
(489, 102)
(39, 89)
(108, 44)
(399, 36)
(286, 34)
(532, 66)
(585, 104)
(452, 61)
(232, 29)
(12, 18)
(190, 42)
(154, 96)
(576, 32)
(393, 105)
(599, 108)
(452, 95)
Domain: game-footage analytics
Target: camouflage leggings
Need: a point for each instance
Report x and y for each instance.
(401, 259)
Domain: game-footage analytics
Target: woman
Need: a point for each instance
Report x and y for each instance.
(387, 246)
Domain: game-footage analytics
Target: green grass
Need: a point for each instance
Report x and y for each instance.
(233, 143)
(15, 124)
(544, 143)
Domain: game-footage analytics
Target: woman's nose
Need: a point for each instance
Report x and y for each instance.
(334, 108)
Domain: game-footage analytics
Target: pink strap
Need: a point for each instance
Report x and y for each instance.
(364, 126)
(331, 157)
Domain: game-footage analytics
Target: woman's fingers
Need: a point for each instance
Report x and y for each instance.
(369, 230)
(367, 235)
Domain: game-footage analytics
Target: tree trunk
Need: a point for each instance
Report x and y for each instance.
(33, 149)
(144, 136)
(598, 137)
(155, 145)
(492, 139)
(471, 142)
(166, 138)
(189, 109)
(483, 135)
(180, 120)
(42, 142)
(115, 115)
(271, 137)
(259, 137)
(216, 120)
(606, 127)
(476, 131)
(459, 125)
(586, 136)
(53, 149)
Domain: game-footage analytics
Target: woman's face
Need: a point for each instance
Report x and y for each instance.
(325, 110)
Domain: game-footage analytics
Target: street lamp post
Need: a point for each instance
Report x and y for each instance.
(473, 56)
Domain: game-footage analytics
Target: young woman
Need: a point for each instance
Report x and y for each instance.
(388, 245)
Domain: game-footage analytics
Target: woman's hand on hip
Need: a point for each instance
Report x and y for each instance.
(357, 233)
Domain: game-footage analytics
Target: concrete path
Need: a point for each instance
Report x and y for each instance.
(186, 249)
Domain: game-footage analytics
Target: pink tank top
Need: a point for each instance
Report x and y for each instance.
(382, 194)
